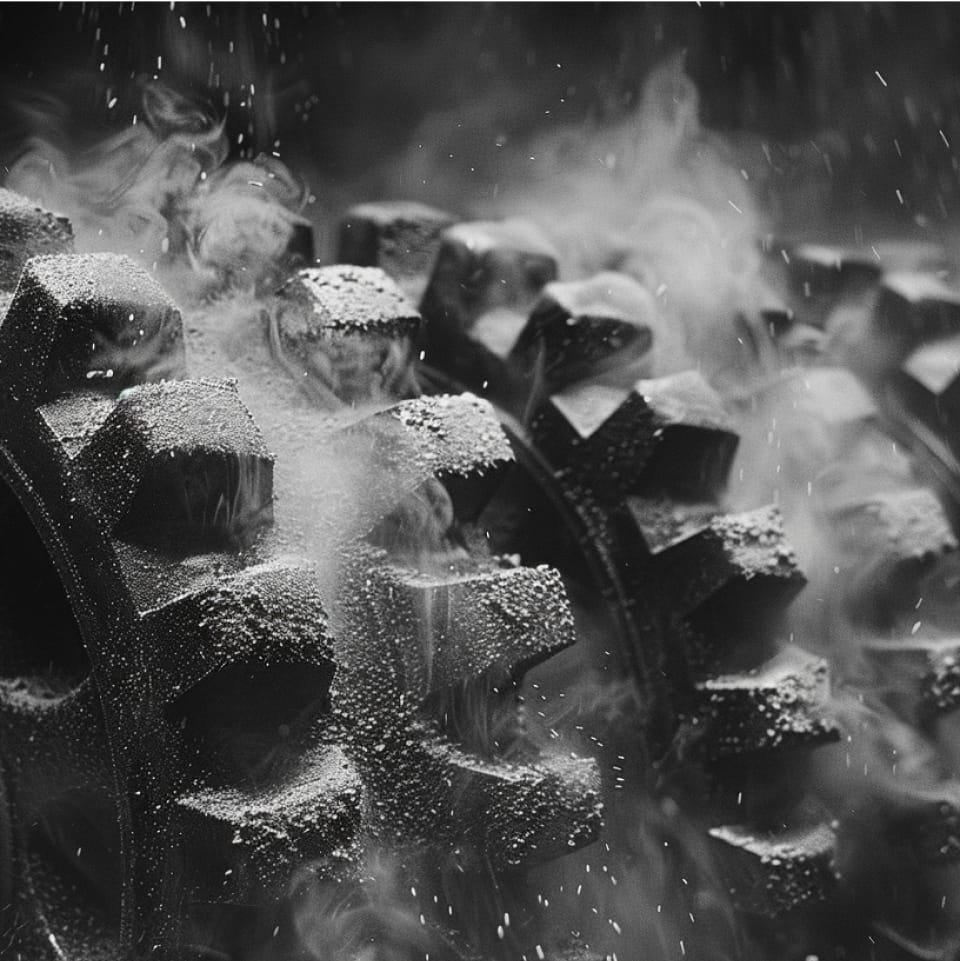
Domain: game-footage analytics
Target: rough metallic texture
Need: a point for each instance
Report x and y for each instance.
(188, 453)
(27, 230)
(781, 704)
(771, 875)
(400, 236)
(349, 331)
(700, 560)
(267, 614)
(588, 327)
(668, 436)
(90, 320)
(252, 836)
(392, 655)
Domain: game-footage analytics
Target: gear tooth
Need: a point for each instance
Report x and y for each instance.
(241, 842)
(783, 703)
(27, 230)
(819, 276)
(485, 279)
(583, 328)
(928, 386)
(456, 626)
(920, 676)
(351, 328)
(743, 553)
(772, 875)
(179, 459)
(455, 438)
(519, 814)
(913, 308)
(670, 436)
(88, 320)
(269, 614)
(400, 236)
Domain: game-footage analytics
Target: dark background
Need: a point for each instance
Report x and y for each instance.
(346, 85)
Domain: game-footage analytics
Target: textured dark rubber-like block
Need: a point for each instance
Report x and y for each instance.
(772, 875)
(27, 230)
(400, 236)
(781, 704)
(179, 459)
(587, 327)
(90, 320)
(349, 328)
(667, 436)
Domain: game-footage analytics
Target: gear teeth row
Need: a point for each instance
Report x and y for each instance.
(401, 237)
(87, 320)
(580, 328)
(26, 231)
(248, 840)
(771, 875)
(179, 458)
(783, 703)
(267, 614)
(668, 436)
(389, 667)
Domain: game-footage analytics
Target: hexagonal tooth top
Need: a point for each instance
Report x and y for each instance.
(456, 434)
(26, 229)
(189, 416)
(756, 539)
(516, 234)
(345, 298)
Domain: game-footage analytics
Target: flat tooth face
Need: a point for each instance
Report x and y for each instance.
(183, 457)
(770, 875)
(913, 308)
(27, 230)
(80, 321)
